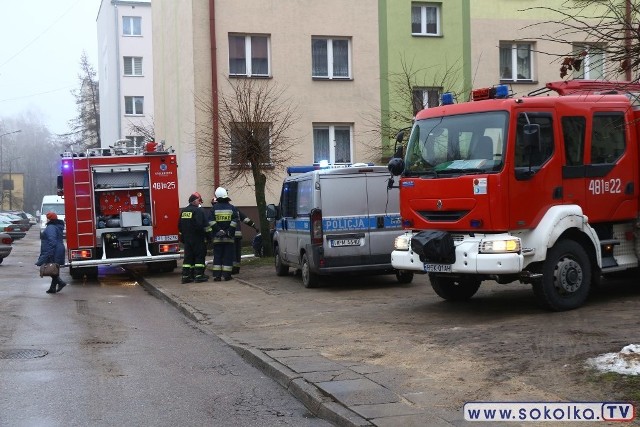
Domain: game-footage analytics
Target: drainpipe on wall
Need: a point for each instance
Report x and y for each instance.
(627, 38)
(214, 93)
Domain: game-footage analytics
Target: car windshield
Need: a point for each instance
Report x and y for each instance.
(58, 208)
(466, 143)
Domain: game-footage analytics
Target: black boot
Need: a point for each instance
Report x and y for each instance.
(187, 274)
(52, 289)
(61, 285)
(200, 276)
(235, 270)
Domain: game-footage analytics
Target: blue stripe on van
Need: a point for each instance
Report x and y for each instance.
(343, 223)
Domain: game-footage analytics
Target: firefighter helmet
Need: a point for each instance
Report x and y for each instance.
(221, 193)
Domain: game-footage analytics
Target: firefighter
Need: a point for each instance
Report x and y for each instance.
(223, 222)
(194, 229)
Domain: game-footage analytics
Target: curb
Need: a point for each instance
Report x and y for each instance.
(307, 393)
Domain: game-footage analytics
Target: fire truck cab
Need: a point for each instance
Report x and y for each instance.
(121, 207)
(540, 189)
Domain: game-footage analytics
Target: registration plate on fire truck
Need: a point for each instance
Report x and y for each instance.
(437, 268)
(169, 238)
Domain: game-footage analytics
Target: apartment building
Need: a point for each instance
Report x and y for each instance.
(125, 70)
(325, 57)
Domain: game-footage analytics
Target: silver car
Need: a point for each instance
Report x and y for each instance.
(6, 245)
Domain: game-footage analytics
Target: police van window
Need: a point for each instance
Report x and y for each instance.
(288, 199)
(538, 155)
(607, 137)
(305, 197)
(573, 134)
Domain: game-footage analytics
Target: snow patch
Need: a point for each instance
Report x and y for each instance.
(626, 362)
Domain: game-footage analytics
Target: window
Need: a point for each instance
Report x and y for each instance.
(427, 97)
(133, 105)
(592, 66)
(332, 143)
(331, 58)
(132, 66)
(516, 62)
(607, 137)
(425, 19)
(135, 141)
(573, 133)
(250, 142)
(131, 26)
(534, 156)
(249, 55)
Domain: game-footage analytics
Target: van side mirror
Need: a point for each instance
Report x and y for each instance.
(59, 187)
(272, 212)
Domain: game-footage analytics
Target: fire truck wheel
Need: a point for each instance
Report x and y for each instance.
(281, 269)
(309, 278)
(566, 277)
(454, 288)
(403, 276)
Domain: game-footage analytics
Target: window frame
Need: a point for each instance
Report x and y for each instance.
(131, 24)
(331, 128)
(514, 47)
(424, 6)
(330, 58)
(587, 68)
(132, 60)
(132, 101)
(421, 100)
(248, 55)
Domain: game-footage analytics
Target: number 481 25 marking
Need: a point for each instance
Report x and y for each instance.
(605, 186)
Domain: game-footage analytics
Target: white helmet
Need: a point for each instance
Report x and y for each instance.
(221, 193)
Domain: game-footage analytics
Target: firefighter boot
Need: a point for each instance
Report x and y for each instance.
(187, 273)
(200, 276)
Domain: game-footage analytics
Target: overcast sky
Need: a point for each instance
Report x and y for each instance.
(41, 42)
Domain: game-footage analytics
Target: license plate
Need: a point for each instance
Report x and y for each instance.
(345, 242)
(437, 268)
(169, 238)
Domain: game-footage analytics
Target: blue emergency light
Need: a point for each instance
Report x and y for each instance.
(447, 98)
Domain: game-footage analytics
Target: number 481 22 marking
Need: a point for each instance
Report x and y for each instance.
(605, 186)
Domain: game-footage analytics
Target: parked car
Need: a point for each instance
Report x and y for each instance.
(22, 215)
(15, 231)
(32, 219)
(6, 245)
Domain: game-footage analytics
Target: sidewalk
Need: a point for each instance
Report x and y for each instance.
(346, 394)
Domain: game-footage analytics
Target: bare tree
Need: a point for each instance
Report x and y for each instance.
(85, 127)
(407, 91)
(255, 118)
(144, 129)
(610, 26)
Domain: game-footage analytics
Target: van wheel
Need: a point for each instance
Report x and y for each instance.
(281, 269)
(309, 278)
(404, 276)
(566, 277)
(454, 288)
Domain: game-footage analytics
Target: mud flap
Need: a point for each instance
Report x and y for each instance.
(434, 247)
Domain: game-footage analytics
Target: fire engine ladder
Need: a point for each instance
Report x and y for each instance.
(83, 193)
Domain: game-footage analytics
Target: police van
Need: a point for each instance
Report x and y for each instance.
(336, 220)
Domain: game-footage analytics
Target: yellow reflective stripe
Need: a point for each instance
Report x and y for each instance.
(186, 215)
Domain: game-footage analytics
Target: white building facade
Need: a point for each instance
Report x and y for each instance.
(125, 70)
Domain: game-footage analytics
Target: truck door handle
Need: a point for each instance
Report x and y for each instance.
(380, 222)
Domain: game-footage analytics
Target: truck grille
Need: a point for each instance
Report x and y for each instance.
(443, 216)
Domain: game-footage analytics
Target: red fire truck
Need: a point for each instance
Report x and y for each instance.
(537, 189)
(121, 207)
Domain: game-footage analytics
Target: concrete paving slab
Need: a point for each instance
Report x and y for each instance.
(386, 410)
(358, 392)
(310, 363)
(320, 377)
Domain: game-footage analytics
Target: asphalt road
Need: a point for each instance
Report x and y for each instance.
(106, 353)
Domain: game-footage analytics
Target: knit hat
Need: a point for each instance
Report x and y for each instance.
(193, 198)
(51, 216)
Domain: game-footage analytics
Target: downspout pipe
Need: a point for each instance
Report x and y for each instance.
(627, 39)
(214, 94)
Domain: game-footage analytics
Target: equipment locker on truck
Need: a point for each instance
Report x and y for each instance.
(537, 189)
(121, 207)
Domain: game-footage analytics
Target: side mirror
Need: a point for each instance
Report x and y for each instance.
(396, 166)
(272, 212)
(59, 186)
(531, 136)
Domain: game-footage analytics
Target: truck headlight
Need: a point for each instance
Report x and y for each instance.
(500, 246)
(402, 242)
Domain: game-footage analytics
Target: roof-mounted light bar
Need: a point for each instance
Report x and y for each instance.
(495, 92)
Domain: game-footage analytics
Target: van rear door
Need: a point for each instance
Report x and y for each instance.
(384, 217)
(345, 219)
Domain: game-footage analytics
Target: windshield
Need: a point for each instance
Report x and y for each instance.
(58, 208)
(468, 143)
